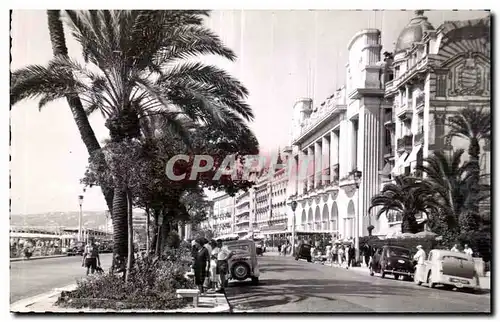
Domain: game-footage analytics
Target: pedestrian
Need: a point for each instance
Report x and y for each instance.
(468, 250)
(201, 264)
(279, 249)
(419, 269)
(454, 248)
(223, 257)
(91, 258)
(366, 254)
(352, 255)
(340, 255)
(347, 254)
(213, 264)
(334, 253)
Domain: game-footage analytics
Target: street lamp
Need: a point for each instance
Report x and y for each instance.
(80, 202)
(294, 206)
(357, 177)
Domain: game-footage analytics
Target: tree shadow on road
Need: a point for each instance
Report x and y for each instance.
(273, 292)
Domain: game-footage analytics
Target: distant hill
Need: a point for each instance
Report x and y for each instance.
(91, 219)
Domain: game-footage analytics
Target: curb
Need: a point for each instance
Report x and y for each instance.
(24, 306)
(35, 258)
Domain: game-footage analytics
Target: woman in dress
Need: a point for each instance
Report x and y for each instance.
(201, 264)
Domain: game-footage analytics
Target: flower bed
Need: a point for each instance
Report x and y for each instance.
(152, 285)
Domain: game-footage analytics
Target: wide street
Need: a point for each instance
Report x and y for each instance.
(30, 278)
(287, 285)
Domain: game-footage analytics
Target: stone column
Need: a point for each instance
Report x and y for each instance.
(343, 144)
(334, 152)
(325, 160)
(302, 171)
(317, 164)
(311, 157)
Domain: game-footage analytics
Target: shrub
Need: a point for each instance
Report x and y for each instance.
(152, 285)
(173, 239)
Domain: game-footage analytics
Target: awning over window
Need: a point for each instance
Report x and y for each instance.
(386, 171)
(413, 155)
(401, 160)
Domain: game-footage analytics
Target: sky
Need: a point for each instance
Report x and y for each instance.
(282, 56)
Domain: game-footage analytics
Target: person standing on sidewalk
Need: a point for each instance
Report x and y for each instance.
(201, 264)
(223, 256)
(419, 269)
(91, 258)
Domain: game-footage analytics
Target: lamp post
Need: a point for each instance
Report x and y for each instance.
(357, 178)
(294, 206)
(80, 216)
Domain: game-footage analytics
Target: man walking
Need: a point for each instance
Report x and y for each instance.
(91, 258)
(419, 269)
(223, 256)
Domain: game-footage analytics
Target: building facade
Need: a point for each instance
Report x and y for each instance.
(222, 219)
(386, 119)
(242, 216)
(432, 75)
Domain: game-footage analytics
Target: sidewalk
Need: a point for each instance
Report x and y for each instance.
(210, 303)
(18, 259)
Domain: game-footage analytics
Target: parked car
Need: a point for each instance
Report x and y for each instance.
(304, 252)
(392, 260)
(76, 249)
(449, 268)
(243, 264)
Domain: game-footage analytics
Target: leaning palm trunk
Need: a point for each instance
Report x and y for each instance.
(147, 230)
(56, 31)
(120, 231)
(130, 255)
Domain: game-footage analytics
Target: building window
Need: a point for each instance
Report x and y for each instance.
(387, 138)
(396, 71)
(441, 85)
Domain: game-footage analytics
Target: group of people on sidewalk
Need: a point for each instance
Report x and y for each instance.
(210, 264)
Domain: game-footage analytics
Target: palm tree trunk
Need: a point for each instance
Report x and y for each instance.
(147, 230)
(130, 255)
(56, 31)
(120, 224)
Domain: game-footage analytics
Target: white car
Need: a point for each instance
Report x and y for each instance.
(449, 268)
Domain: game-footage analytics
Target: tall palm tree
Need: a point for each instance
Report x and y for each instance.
(453, 184)
(472, 124)
(140, 68)
(408, 196)
(59, 49)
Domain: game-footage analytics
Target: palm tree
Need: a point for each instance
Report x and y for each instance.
(453, 184)
(472, 124)
(59, 49)
(408, 196)
(139, 69)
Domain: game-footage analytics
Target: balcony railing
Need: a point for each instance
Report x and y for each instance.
(388, 120)
(326, 175)
(420, 101)
(405, 143)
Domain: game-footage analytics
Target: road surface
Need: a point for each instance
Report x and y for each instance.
(30, 278)
(287, 285)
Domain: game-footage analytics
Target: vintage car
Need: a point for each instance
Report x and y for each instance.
(243, 263)
(303, 252)
(392, 260)
(449, 268)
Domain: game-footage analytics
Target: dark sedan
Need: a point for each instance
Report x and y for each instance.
(393, 260)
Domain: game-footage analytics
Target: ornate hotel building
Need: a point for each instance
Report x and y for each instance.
(387, 118)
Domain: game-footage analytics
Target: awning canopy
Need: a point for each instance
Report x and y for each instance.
(386, 171)
(401, 160)
(413, 154)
